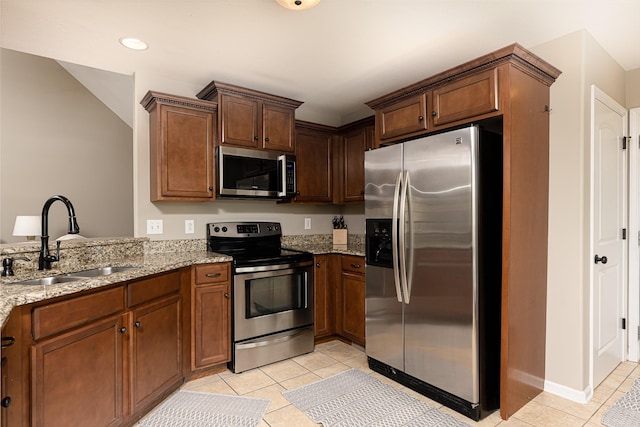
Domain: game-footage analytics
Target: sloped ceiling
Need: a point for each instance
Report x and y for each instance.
(333, 57)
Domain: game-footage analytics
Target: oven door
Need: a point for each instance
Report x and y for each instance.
(271, 299)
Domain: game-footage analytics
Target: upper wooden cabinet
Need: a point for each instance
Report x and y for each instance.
(356, 139)
(506, 91)
(252, 119)
(314, 163)
(181, 144)
(403, 118)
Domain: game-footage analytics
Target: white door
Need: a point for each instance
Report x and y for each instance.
(608, 255)
(634, 234)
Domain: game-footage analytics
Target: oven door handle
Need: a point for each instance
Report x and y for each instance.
(273, 267)
(270, 341)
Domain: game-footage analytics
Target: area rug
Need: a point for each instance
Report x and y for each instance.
(196, 409)
(626, 411)
(353, 398)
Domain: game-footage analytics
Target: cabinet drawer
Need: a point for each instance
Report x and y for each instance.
(211, 273)
(353, 264)
(152, 288)
(60, 316)
(466, 98)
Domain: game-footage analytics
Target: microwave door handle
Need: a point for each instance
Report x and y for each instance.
(282, 164)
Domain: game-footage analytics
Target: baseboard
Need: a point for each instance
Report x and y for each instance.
(579, 396)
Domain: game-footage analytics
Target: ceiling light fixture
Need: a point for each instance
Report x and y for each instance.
(298, 4)
(133, 43)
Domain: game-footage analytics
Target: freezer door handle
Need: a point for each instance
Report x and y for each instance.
(394, 235)
(403, 250)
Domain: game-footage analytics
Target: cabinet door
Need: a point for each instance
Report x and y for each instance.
(182, 162)
(238, 121)
(278, 125)
(355, 144)
(323, 312)
(156, 356)
(15, 393)
(77, 377)
(314, 166)
(211, 331)
(353, 315)
(402, 119)
(466, 98)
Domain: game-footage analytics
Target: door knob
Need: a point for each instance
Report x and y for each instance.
(598, 259)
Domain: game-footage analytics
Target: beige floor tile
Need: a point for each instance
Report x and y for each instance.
(315, 360)
(288, 416)
(249, 381)
(332, 370)
(544, 416)
(602, 393)
(613, 380)
(596, 419)
(342, 351)
(386, 380)
(358, 362)
(626, 385)
(284, 370)
(583, 411)
(300, 381)
(211, 384)
(625, 368)
(274, 394)
(514, 422)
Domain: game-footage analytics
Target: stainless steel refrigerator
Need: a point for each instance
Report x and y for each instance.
(433, 209)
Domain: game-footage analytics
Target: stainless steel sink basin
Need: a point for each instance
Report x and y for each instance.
(97, 272)
(47, 280)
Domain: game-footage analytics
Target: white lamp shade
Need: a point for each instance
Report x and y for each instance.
(27, 225)
(298, 4)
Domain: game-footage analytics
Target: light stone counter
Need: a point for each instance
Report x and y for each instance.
(322, 244)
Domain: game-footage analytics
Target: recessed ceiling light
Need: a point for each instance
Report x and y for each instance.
(133, 43)
(298, 4)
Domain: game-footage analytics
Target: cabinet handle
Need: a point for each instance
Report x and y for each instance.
(420, 118)
(213, 274)
(6, 402)
(255, 138)
(433, 113)
(210, 188)
(355, 265)
(8, 342)
(318, 265)
(122, 330)
(226, 295)
(137, 324)
(266, 139)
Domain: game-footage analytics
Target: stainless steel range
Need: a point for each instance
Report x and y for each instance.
(272, 293)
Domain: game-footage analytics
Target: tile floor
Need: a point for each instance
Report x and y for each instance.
(330, 358)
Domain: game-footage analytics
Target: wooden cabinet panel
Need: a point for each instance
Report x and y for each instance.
(63, 315)
(211, 325)
(212, 273)
(156, 353)
(323, 298)
(353, 264)
(402, 119)
(314, 165)
(77, 377)
(466, 98)
(278, 125)
(355, 144)
(154, 287)
(182, 133)
(238, 121)
(353, 300)
(15, 360)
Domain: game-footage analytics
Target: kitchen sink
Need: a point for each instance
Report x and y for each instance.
(48, 280)
(97, 272)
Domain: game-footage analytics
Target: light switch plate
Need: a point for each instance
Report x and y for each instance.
(154, 226)
(189, 226)
(307, 223)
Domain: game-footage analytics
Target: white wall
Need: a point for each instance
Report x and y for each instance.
(582, 62)
(57, 138)
(633, 88)
(173, 214)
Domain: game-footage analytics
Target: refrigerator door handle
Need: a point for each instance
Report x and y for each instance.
(394, 235)
(403, 248)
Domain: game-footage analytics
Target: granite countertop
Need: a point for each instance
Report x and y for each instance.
(12, 294)
(148, 257)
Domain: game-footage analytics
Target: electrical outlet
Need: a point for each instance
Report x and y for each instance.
(154, 226)
(307, 223)
(189, 226)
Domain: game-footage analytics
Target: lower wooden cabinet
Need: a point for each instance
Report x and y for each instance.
(77, 377)
(156, 350)
(210, 315)
(340, 297)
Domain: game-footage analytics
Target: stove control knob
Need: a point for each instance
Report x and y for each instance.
(275, 227)
(269, 228)
(224, 229)
(216, 229)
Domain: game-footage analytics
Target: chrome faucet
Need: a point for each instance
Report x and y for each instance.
(45, 260)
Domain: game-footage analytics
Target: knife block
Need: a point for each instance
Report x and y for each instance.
(340, 236)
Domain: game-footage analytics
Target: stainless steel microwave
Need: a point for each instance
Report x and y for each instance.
(244, 172)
